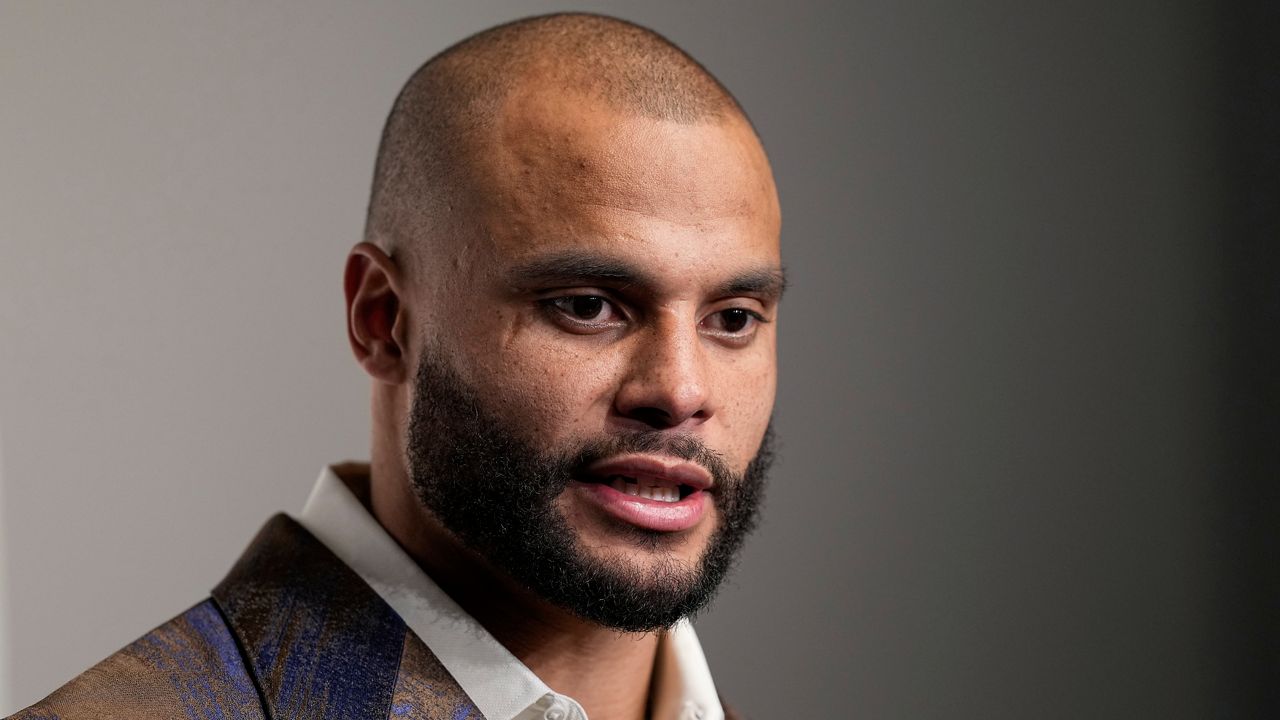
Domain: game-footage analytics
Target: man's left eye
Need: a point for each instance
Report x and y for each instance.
(733, 321)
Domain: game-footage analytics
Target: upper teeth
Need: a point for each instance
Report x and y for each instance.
(661, 493)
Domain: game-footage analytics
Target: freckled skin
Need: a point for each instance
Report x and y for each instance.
(690, 205)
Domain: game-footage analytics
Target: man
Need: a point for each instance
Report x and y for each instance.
(566, 300)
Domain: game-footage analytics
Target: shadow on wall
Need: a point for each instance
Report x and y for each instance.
(1249, 587)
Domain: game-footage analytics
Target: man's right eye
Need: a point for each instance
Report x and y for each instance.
(588, 311)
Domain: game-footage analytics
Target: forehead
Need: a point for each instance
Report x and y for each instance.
(561, 171)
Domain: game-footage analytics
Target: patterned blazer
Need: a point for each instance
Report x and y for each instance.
(292, 632)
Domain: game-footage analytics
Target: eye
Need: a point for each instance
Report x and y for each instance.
(584, 311)
(734, 319)
(735, 323)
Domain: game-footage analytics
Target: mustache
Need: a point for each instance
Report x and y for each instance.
(654, 442)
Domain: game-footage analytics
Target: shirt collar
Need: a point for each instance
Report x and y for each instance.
(501, 686)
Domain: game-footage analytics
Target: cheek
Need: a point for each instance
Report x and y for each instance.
(747, 388)
(555, 389)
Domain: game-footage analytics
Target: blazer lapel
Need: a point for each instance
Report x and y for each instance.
(320, 643)
(425, 690)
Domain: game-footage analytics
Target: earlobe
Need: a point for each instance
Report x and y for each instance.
(375, 326)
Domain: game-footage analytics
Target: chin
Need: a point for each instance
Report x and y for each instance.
(642, 549)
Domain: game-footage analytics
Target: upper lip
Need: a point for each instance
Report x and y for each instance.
(654, 468)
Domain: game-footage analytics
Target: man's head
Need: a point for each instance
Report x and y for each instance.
(567, 298)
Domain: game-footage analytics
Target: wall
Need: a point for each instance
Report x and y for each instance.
(4, 596)
(1000, 440)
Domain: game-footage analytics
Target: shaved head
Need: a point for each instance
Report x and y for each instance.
(425, 181)
(571, 259)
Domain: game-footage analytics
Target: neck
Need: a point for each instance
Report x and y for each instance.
(608, 672)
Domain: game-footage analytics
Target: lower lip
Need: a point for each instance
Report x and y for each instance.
(646, 513)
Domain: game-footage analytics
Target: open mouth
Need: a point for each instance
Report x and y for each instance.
(653, 492)
(645, 488)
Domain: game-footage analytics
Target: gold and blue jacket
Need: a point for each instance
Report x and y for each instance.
(292, 632)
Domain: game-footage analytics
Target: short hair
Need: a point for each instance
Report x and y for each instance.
(451, 99)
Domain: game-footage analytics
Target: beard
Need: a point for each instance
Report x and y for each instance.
(497, 494)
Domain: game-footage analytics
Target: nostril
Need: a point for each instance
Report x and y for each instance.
(652, 416)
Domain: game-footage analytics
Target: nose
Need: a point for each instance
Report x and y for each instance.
(666, 383)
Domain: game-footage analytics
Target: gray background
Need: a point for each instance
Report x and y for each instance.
(1001, 396)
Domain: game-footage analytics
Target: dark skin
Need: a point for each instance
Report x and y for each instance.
(611, 273)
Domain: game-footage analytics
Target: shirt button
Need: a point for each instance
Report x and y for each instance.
(554, 713)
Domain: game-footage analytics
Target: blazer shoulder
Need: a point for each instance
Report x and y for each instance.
(188, 667)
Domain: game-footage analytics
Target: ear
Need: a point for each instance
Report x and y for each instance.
(376, 321)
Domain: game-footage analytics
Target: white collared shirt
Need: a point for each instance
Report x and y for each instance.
(499, 684)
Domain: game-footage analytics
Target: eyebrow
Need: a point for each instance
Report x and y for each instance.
(585, 268)
(574, 268)
(767, 284)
